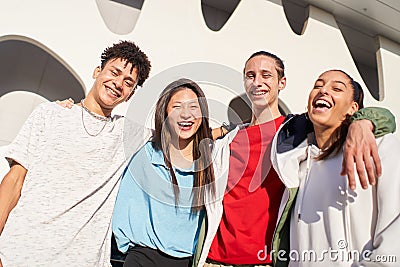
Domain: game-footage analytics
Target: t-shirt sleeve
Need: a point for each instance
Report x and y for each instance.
(135, 136)
(26, 143)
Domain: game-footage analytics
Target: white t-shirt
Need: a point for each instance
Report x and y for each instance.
(64, 214)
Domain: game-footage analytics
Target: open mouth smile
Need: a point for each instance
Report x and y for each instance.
(113, 92)
(259, 92)
(185, 125)
(322, 105)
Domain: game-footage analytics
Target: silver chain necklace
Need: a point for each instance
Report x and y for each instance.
(98, 117)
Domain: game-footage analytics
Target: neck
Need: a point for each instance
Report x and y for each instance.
(182, 153)
(92, 105)
(263, 115)
(324, 137)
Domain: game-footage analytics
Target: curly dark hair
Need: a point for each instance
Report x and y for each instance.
(130, 52)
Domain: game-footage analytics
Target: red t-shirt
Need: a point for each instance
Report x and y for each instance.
(252, 200)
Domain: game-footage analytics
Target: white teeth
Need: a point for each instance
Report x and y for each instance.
(115, 93)
(321, 102)
(259, 92)
(185, 124)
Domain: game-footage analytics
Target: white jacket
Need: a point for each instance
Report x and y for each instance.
(214, 207)
(328, 218)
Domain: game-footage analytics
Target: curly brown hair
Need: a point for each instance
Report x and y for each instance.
(131, 53)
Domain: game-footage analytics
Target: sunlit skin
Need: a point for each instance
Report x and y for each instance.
(184, 119)
(329, 102)
(262, 85)
(114, 84)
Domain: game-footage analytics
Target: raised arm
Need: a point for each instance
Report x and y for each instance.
(360, 146)
(10, 191)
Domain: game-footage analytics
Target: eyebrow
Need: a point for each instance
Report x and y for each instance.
(335, 81)
(262, 70)
(120, 71)
(191, 101)
(341, 83)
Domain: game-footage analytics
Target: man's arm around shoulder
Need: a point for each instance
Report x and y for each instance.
(10, 191)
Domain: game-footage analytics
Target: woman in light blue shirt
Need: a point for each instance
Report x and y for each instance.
(160, 203)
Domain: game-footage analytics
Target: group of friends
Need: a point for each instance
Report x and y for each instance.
(183, 194)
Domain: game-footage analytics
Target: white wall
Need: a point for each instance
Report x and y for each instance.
(173, 33)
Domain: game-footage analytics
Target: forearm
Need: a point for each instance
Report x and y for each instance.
(360, 146)
(218, 132)
(222, 130)
(10, 192)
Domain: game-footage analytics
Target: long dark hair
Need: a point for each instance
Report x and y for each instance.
(341, 132)
(202, 142)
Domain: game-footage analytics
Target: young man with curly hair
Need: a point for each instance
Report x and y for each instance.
(65, 167)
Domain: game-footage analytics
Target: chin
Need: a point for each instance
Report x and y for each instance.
(260, 104)
(263, 100)
(326, 124)
(185, 137)
(317, 119)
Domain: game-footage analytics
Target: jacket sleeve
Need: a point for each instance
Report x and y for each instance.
(382, 119)
(385, 247)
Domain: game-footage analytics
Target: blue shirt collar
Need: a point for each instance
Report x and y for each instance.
(157, 158)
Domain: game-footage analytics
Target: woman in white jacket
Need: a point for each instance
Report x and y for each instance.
(322, 222)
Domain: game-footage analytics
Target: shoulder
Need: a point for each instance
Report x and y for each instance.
(227, 139)
(292, 132)
(388, 143)
(118, 117)
(44, 107)
(120, 122)
(388, 147)
(51, 108)
(389, 182)
(42, 112)
(133, 129)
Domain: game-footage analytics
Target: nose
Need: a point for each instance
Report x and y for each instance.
(118, 81)
(323, 90)
(185, 112)
(258, 81)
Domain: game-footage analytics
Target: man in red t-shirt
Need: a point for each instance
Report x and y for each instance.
(254, 190)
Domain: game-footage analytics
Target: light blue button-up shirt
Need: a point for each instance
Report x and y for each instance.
(145, 213)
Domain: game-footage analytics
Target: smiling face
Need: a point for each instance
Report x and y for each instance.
(184, 114)
(262, 82)
(331, 100)
(114, 83)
